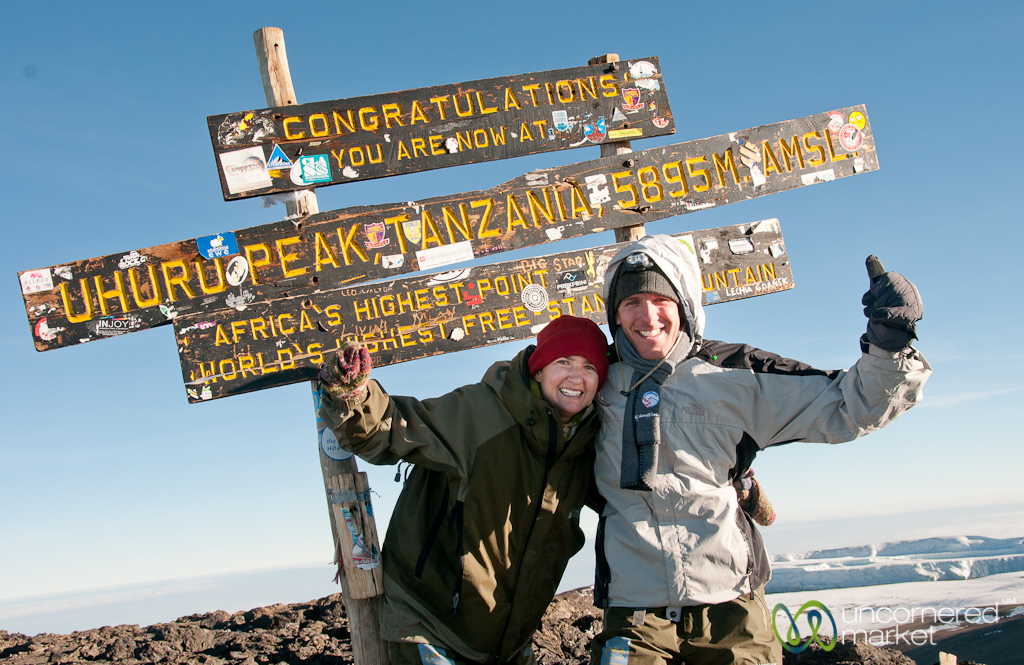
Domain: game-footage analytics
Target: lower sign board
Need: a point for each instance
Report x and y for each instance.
(126, 292)
(268, 343)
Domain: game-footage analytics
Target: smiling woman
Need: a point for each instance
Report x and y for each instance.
(570, 364)
(491, 508)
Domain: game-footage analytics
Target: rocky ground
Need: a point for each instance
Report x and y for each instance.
(316, 633)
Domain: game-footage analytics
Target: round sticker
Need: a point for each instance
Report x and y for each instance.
(850, 137)
(858, 120)
(237, 270)
(329, 444)
(660, 123)
(650, 399)
(535, 297)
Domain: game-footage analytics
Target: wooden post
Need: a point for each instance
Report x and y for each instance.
(626, 233)
(348, 497)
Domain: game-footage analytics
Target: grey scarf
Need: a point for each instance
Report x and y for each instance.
(641, 425)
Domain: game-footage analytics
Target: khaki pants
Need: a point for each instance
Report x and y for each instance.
(409, 653)
(738, 632)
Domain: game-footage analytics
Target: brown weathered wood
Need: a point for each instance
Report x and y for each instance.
(277, 85)
(312, 145)
(284, 340)
(361, 590)
(349, 496)
(690, 176)
(625, 233)
(363, 614)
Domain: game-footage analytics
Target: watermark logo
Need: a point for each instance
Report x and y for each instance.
(794, 642)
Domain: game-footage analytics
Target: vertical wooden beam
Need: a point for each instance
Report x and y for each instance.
(277, 85)
(346, 490)
(626, 233)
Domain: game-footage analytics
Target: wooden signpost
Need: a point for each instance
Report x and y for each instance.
(325, 143)
(275, 341)
(120, 293)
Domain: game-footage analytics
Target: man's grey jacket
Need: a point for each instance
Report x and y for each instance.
(687, 542)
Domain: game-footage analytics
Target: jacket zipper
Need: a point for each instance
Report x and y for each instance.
(549, 462)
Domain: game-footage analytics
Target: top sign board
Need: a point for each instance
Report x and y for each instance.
(325, 143)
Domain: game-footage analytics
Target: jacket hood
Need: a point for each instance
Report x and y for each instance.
(677, 259)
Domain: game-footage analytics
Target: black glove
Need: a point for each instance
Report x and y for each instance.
(893, 307)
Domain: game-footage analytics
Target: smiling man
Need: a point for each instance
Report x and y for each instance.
(490, 512)
(681, 568)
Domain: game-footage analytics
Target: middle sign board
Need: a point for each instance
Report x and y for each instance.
(125, 292)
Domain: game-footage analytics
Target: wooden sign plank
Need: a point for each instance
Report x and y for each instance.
(325, 143)
(275, 342)
(130, 291)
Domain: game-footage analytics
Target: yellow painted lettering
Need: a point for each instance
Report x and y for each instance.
(250, 251)
(488, 205)
(464, 226)
(154, 284)
(511, 101)
(814, 148)
(392, 112)
(69, 310)
(484, 110)
(368, 119)
(514, 213)
(288, 133)
(324, 253)
(324, 126)
(222, 284)
(418, 114)
(341, 121)
(348, 243)
(286, 257)
(181, 279)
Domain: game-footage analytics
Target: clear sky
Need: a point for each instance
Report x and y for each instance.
(107, 475)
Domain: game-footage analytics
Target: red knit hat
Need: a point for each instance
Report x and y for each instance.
(571, 336)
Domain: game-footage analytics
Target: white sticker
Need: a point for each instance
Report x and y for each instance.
(237, 270)
(641, 69)
(535, 297)
(131, 260)
(392, 260)
(445, 255)
(818, 176)
(598, 186)
(741, 246)
(329, 444)
(35, 281)
(245, 170)
(45, 332)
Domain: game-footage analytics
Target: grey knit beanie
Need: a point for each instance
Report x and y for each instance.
(629, 282)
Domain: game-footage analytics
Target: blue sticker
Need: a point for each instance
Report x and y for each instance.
(314, 168)
(217, 246)
(616, 651)
(278, 160)
(431, 655)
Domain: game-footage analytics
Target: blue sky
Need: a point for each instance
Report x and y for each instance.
(108, 477)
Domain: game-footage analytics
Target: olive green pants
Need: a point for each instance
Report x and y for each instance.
(409, 653)
(738, 632)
